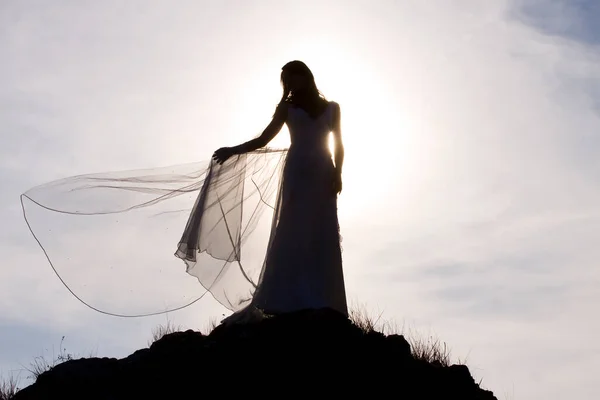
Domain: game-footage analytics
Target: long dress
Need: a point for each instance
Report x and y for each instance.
(107, 232)
(302, 268)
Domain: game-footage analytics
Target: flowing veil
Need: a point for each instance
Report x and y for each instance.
(116, 240)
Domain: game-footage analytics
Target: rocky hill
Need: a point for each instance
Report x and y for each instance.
(311, 353)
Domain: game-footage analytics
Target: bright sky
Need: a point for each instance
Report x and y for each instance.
(471, 204)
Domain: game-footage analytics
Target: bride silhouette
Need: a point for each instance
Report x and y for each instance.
(108, 229)
(303, 264)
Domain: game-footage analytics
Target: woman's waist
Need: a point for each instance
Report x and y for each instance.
(309, 158)
(309, 150)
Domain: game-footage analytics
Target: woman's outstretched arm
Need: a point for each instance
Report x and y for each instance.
(267, 135)
(338, 147)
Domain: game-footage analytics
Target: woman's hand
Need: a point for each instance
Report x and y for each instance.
(337, 184)
(222, 154)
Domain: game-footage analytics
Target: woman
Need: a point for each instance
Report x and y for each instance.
(303, 264)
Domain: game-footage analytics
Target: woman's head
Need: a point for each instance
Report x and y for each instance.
(298, 80)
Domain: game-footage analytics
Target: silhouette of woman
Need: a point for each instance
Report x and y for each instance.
(303, 264)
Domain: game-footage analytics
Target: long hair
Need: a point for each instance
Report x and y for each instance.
(311, 100)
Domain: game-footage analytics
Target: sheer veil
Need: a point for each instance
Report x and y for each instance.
(117, 240)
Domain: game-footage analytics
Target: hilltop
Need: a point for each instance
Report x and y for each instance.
(316, 353)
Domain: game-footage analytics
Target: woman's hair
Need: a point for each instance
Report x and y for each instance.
(311, 100)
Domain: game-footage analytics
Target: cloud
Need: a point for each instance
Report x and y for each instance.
(470, 201)
(574, 20)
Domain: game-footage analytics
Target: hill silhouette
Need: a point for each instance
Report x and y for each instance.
(316, 353)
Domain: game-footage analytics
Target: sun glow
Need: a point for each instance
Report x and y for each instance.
(383, 154)
(377, 136)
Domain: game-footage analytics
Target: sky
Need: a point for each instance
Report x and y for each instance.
(471, 203)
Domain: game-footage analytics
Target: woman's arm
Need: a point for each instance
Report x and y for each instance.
(338, 144)
(267, 135)
(338, 147)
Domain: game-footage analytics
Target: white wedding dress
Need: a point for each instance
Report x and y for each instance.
(109, 232)
(303, 265)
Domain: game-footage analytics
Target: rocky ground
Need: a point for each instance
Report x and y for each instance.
(316, 353)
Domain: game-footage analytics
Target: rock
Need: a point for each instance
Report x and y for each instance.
(399, 346)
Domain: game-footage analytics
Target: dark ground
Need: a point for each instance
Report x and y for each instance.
(316, 353)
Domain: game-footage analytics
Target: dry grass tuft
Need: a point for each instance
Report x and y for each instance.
(163, 330)
(40, 364)
(361, 318)
(212, 324)
(9, 387)
(430, 349)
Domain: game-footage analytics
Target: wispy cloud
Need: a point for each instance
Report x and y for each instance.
(575, 20)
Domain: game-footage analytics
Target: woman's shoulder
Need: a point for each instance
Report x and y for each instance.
(281, 110)
(335, 106)
(285, 105)
(333, 103)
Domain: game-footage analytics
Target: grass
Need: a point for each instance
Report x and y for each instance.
(429, 349)
(41, 364)
(212, 324)
(9, 387)
(361, 318)
(163, 330)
